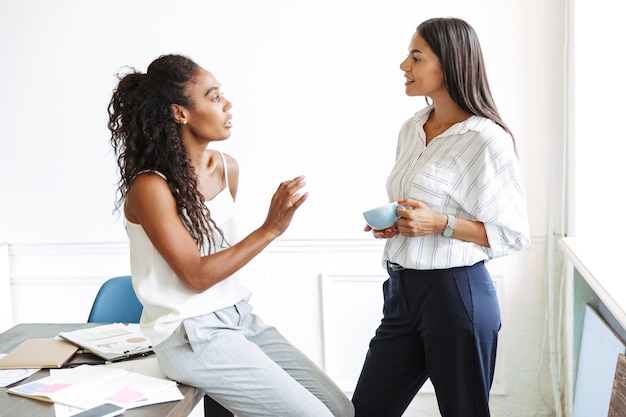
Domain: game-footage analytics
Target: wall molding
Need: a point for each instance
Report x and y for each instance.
(44, 276)
(88, 262)
(279, 245)
(74, 248)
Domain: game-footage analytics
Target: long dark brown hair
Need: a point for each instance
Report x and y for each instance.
(456, 45)
(145, 137)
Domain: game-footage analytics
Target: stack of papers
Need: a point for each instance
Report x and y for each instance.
(87, 386)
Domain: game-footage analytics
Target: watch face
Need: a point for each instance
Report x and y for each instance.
(448, 232)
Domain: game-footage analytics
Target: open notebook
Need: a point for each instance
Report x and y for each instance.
(111, 342)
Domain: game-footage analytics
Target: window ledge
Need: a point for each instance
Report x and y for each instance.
(602, 267)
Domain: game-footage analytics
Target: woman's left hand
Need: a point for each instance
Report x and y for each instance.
(418, 219)
(387, 233)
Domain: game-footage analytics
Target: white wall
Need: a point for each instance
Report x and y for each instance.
(6, 304)
(316, 90)
(599, 144)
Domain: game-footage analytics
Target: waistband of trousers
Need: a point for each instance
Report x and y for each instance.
(394, 267)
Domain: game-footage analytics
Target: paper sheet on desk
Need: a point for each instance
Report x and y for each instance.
(11, 376)
(145, 366)
(87, 386)
(170, 394)
(150, 367)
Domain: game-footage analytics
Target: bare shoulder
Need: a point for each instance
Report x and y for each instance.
(233, 165)
(149, 181)
(148, 192)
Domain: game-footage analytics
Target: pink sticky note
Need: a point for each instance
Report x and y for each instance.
(125, 395)
(52, 388)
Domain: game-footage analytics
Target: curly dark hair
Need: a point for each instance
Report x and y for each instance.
(456, 45)
(145, 137)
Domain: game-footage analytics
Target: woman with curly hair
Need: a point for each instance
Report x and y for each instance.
(177, 197)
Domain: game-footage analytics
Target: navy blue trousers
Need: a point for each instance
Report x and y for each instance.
(441, 324)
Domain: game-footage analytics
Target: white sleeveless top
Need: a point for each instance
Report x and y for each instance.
(166, 301)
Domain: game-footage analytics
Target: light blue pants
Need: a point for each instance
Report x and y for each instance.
(249, 367)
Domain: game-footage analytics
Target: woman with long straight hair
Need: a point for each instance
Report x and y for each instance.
(457, 180)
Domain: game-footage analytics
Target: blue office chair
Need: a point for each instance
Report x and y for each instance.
(116, 302)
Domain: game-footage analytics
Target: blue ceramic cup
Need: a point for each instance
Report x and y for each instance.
(382, 217)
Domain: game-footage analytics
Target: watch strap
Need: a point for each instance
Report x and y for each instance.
(448, 231)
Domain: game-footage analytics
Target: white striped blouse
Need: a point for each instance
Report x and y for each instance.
(471, 172)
